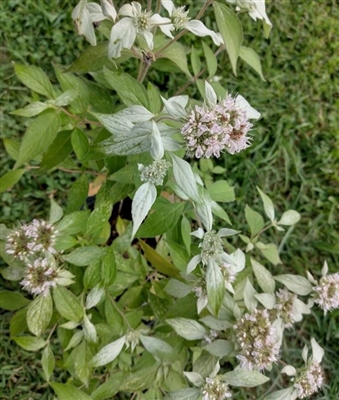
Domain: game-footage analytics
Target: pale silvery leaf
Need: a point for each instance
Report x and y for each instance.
(220, 348)
(187, 328)
(225, 232)
(178, 191)
(289, 370)
(65, 278)
(195, 378)
(238, 260)
(95, 12)
(170, 144)
(249, 296)
(32, 109)
(268, 300)
(177, 289)
(114, 124)
(210, 95)
(215, 285)
(191, 266)
(324, 270)
(268, 205)
(295, 283)
(215, 323)
(134, 114)
(83, 22)
(175, 106)
(278, 330)
(94, 296)
(300, 308)
(157, 347)
(108, 353)
(168, 6)
(90, 332)
(122, 36)
(157, 147)
(142, 202)
(199, 29)
(310, 278)
(199, 233)
(184, 178)
(65, 98)
(244, 378)
(108, 9)
(285, 394)
(317, 351)
(70, 325)
(289, 217)
(251, 112)
(75, 340)
(184, 394)
(204, 210)
(263, 276)
(304, 354)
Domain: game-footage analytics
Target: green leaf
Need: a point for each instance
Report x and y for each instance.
(39, 136)
(268, 205)
(184, 178)
(215, 285)
(187, 328)
(220, 348)
(57, 152)
(176, 53)
(48, 362)
(109, 388)
(284, 394)
(73, 223)
(30, 343)
(83, 256)
(35, 79)
(98, 218)
(289, 217)
(252, 59)
(77, 194)
(108, 353)
(221, 191)
(12, 301)
(143, 200)
(186, 233)
(68, 392)
(154, 98)
(270, 251)
(13, 273)
(264, 277)
(12, 147)
(295, 283)
(129, 89)
(56, 212)
(10, 179)
(245, 378)
(108, 269)
(177, 289)
(158, 348)
(18, 322)
(94, 58)
(92, 274)
(31, 110)
(254, 220)
(195, 61)
(39, 314)
(67, 304)
(79, 143)
(185, 394)
(211, 60)
(231, 31)
(158, 262)
(164, 217)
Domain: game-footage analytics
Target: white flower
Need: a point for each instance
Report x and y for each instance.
(256, 10)
(135, 21)
(155, 172)
(180, 20)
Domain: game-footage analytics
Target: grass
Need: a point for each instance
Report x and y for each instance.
(294, 157)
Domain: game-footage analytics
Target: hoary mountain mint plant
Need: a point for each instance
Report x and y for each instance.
(167, 300)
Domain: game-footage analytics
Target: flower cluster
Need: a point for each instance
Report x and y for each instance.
(155, 172)
(327, 292)
(36, 237)
(310, 380)
(211, 247)
(210, 130)
(214, 389)
(256, 337)
(285, 300)
(39, 277)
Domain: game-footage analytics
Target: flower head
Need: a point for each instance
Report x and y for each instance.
(284, 305)
(327, 292)
(310, 380)
(135, 22)
(211, 129)
(256, 337)
(201, 294)
(181, 20)
(38, 236)
(155, 172)
(215, 389)
(39, 277)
